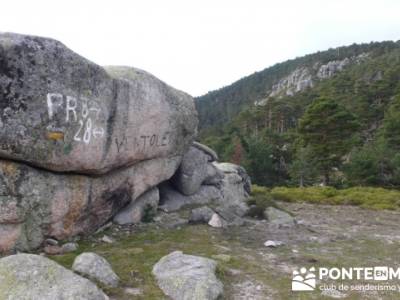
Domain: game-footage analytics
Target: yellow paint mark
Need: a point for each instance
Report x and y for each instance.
(9, 169)
(55, 136)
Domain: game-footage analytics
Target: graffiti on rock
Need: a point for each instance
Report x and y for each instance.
(81, 111)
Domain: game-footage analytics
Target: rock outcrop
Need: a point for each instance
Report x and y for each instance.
(27, 277)
(225, 189)
(36, 204)
(64, 113)
(184, 277)
(79, 142)
(305, 77)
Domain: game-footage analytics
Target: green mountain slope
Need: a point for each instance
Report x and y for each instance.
(255, 120)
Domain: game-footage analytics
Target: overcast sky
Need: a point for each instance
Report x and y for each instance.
(201, 45)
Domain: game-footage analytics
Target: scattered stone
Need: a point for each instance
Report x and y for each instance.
(184, 277)
(216, 221)
(95, 268)
(278, 217)
(28, 276)
(69, 247)
(273, 244)
(133, 291)
(107, 239)
(231, 214)
(222, 257)
(104, 227)
(233, 272)
(143, 207)
(51, 242)
(201, 215)
(53, 250)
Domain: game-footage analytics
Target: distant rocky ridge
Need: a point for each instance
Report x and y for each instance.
(291, 78)
(305, 77)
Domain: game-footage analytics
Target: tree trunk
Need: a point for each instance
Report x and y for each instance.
(326, 178)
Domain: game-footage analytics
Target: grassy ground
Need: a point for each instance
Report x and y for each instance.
(367, 197)
(327, 236)
(345, 234)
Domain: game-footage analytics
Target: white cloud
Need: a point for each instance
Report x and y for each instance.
(198, 46)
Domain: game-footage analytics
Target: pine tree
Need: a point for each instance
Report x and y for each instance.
(327, 129)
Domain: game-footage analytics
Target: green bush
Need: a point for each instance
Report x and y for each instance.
(368, 197)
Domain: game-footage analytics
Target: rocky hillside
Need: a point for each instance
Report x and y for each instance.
(256, 121)
(286, 79)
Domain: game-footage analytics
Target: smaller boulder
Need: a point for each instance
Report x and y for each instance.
(69, 247)
(96, 268)
(201, 215)
(139, 209)
(53, 250)
(232, 169)
(214, 175)
(188, 277)
(216, 221)
(195, 169)
(278, 217)
(28, 276)
(273, 244)
(232, 215)
(107, 239)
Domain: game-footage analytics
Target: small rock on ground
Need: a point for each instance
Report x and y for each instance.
(273, 244)
(95, 268)
(188, 277)
(216, 221)
(28, 276)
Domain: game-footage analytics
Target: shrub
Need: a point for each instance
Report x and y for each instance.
(368, 197)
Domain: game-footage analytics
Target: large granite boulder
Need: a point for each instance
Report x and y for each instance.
(28, 277)
(188, 277)
(36, 204)
(78, 141)
(63, 113)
